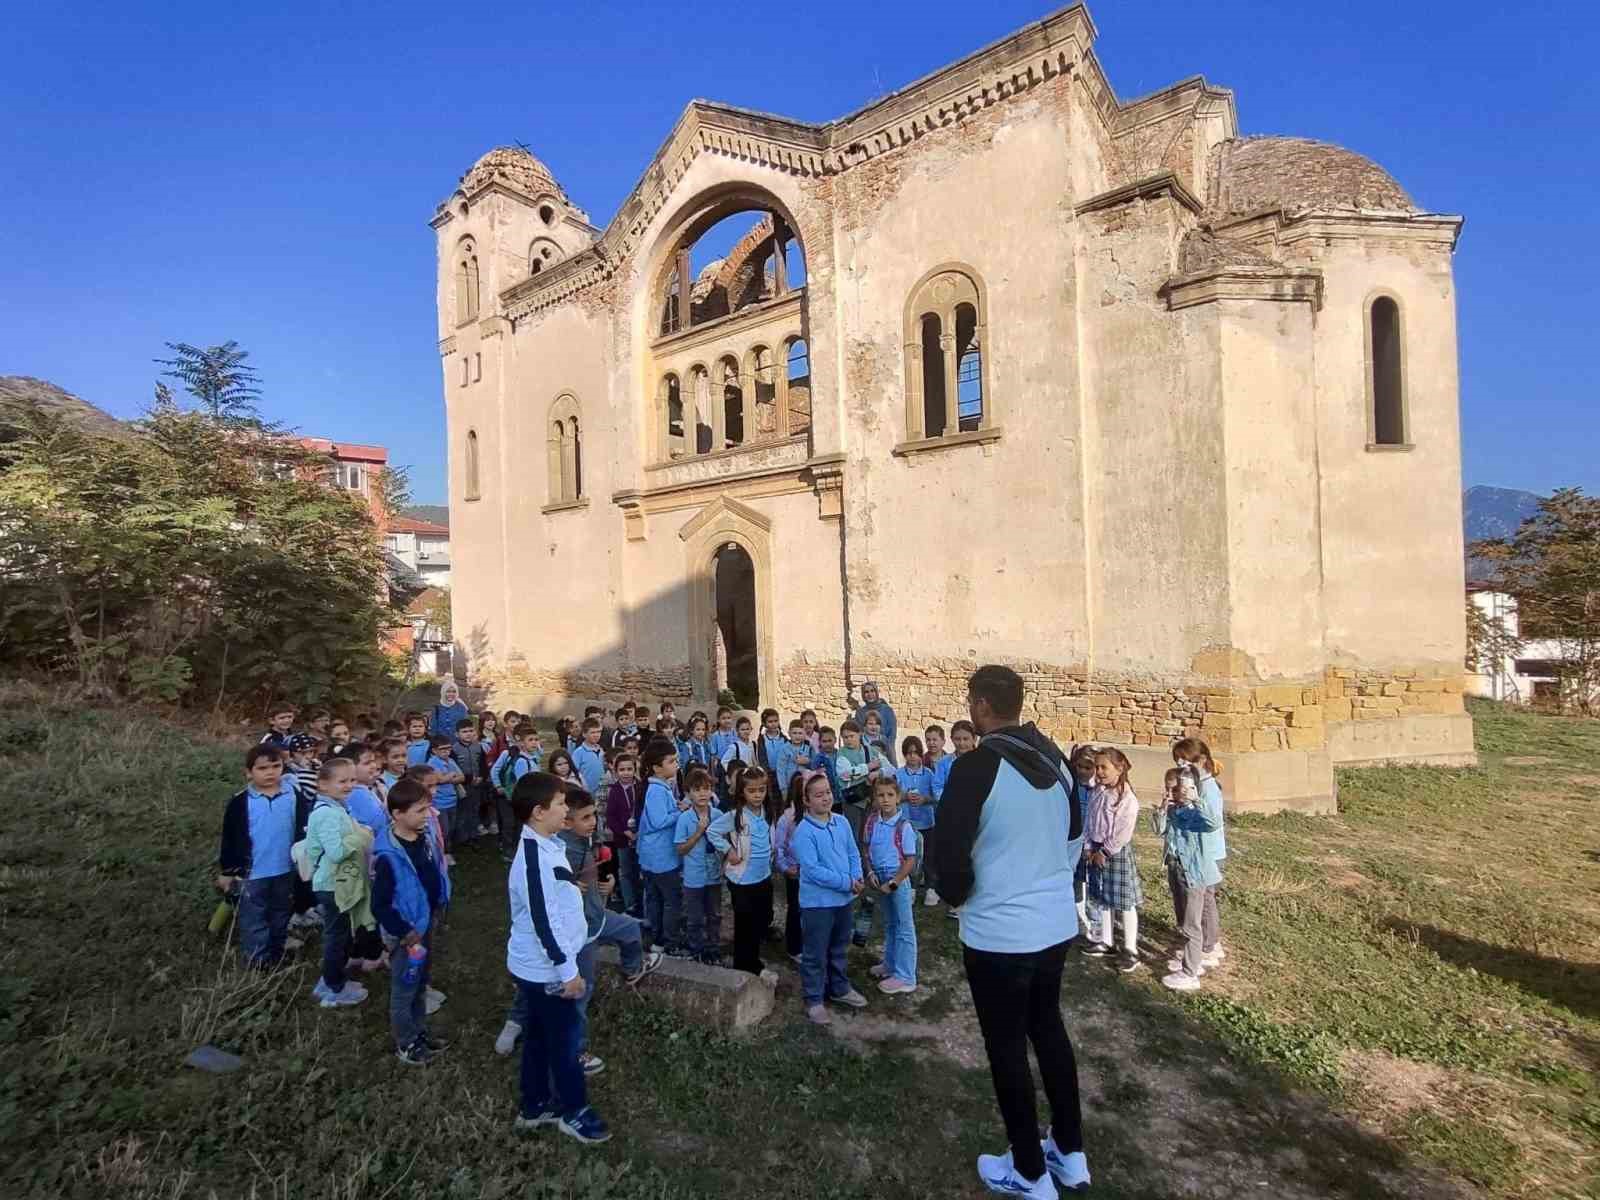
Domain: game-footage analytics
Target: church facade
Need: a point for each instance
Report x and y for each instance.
(1005, 369)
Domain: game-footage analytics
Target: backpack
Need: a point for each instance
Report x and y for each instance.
(509, 768)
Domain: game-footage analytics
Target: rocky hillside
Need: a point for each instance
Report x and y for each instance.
(22, 393)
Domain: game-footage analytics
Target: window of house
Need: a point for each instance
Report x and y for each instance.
(477, 365)
(564, 452)
(464, 372)
(1385, 374)
(946, 320)
(472, 492)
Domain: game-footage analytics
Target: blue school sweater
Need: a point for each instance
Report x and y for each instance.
(658, 820)
(829, 861)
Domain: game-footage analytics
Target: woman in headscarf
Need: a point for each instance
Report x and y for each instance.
(450, 710)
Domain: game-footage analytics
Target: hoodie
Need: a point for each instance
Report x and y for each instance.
(1008, 841)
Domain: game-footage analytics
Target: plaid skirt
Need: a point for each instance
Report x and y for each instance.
(1116, 885)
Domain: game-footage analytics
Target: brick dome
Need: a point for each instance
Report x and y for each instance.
(514, 166)
(1249, 175)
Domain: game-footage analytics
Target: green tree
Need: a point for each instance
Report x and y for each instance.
(226, 388)
(199, 556)
(1552, 566)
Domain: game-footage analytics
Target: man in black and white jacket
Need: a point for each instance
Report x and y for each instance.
(1004, 849)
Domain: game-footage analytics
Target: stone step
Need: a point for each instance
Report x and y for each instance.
(717, 996)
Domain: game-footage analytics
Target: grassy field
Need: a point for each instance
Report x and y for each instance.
(1410, 1008)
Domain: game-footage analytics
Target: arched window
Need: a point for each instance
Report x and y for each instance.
(763, 372)
(969, 369)
(733, 412)
(670, 417)
(543, 253)
(564, 452)
(798, 368)
(946, 372)
(471, 491)
(467, 282)
(1386, 392)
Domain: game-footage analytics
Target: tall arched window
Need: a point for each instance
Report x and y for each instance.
(946, 371)
(798, 367)
(763, 373)
(733, 407)
(1386, 393)
(467, 282)
(669, 400)
(564, 452)
(471, 490)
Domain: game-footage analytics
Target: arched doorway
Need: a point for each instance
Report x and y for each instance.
(734, 595)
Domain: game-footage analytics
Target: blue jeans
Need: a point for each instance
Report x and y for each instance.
(629, 882)
(899, 932)
(618, 930)
(407, 1014)
(825, 938)
(702, 908)
(551, 1042)
(265, 906)
(335, 941)
(663, 907)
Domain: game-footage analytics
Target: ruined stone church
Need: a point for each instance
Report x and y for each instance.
(1005, 368)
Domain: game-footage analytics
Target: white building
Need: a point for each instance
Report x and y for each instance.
(1524, 671)
(423, 547)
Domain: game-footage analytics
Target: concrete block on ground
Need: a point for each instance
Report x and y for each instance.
(719, 996)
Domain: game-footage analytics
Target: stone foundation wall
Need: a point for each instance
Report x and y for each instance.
(1356, 694)
(521, 686)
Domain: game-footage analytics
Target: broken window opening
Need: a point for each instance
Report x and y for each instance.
(1387, 383)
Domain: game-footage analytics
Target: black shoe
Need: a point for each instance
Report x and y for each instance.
(711, 958)
(1098, 950)
(436, 1044)
(858, 939)
(415, 1055)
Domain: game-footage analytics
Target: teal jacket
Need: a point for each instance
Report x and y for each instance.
(1185, 832)
(1211, 794)
(325, 843)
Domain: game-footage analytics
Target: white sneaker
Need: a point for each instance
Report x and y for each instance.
(999, 1174)
(1176, 964)
(931, 900)
(895, 986)
(878, 971)
(851, 999)
(1071, 1171)
(507, 1041)
(1214, 959)
(320, 992)
(1179, 981)
(350, 995)
(770, 976)
(432, 999)
(818, 1015)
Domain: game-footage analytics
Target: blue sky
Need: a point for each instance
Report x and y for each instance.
(199, 172)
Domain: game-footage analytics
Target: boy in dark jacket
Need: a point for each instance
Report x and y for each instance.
(259, 825)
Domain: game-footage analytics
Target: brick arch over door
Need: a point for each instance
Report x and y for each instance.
(722, 521)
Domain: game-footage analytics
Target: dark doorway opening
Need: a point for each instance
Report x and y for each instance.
(737, 668)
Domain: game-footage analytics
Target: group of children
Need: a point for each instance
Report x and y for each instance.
(1189, 821)
(625, 834)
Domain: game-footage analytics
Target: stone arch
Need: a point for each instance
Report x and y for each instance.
(656, 314)
(722, 521)
(946, 337)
